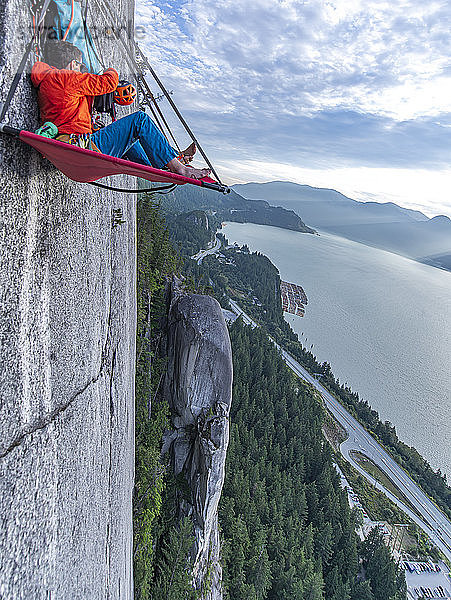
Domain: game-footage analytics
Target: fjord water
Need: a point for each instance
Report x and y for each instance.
(382, 321)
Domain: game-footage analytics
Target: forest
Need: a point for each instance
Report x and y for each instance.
(288, 529)
(231, 207)
(161, 541)
(190, 231)
(254, 274)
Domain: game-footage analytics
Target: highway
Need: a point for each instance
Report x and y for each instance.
(211, 250)
(432, 521)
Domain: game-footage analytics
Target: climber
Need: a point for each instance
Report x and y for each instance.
(65, 96)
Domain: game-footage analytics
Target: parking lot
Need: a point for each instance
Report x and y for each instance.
(427, 579)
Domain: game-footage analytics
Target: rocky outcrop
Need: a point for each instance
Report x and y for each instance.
(67, 330)
(198, 218)
(198, 388)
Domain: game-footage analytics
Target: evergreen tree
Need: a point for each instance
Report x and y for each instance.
(387, 582)
(174, 580)
(285, 518)
(362, 591)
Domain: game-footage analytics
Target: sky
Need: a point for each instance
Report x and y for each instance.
(353, 95)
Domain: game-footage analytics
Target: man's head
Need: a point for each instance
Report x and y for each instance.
(64, 55)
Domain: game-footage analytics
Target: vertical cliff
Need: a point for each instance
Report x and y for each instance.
(198, 387)
(67, 350)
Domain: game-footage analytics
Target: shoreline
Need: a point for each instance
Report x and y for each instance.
(340, 305)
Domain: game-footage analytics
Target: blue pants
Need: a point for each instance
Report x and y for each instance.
(137, 138)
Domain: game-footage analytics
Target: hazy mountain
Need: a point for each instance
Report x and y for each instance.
(384, 225)
(443, 261)
(320, 206)
(415, 239)
(289, 191)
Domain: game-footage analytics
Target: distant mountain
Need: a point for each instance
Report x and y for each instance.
(320, 206)
(384, 225)
(233, 207)
(289, 191)
(442, 261)
(415, 239)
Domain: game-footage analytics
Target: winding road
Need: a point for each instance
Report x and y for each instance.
(432, 521)
(211, 250)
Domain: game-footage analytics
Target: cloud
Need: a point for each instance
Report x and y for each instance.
(318, 83)
(371, 56)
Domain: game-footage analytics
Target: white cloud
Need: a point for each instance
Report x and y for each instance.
(412, 99)
(374, 56)
(238, 67)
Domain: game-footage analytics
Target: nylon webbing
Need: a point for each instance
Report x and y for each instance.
(176, 110)
(132, 62)
(160, 190)
(149, 93)
(23, 62)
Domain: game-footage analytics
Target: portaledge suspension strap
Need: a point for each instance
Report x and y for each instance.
(125, 51)
(23, 62)
(175, 109)
(143, 86)
(105, 8)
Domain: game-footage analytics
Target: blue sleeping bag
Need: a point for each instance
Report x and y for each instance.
(78, 34)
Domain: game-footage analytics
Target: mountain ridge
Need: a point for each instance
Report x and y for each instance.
(383, 225)
(303, 193)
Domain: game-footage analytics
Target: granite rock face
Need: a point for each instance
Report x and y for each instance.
(198, 218)
(67, 348)
(198, 387)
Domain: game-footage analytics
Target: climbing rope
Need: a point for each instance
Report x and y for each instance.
(70, 21)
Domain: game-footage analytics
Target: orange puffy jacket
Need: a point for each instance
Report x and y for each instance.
(65, 97)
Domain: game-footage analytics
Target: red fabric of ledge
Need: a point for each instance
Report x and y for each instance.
(85, 165)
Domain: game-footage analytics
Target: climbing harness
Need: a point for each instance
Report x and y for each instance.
(81, 140)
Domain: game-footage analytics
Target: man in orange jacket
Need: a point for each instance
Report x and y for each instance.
(65, 96)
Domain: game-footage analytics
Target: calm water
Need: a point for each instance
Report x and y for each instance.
(382, 321)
